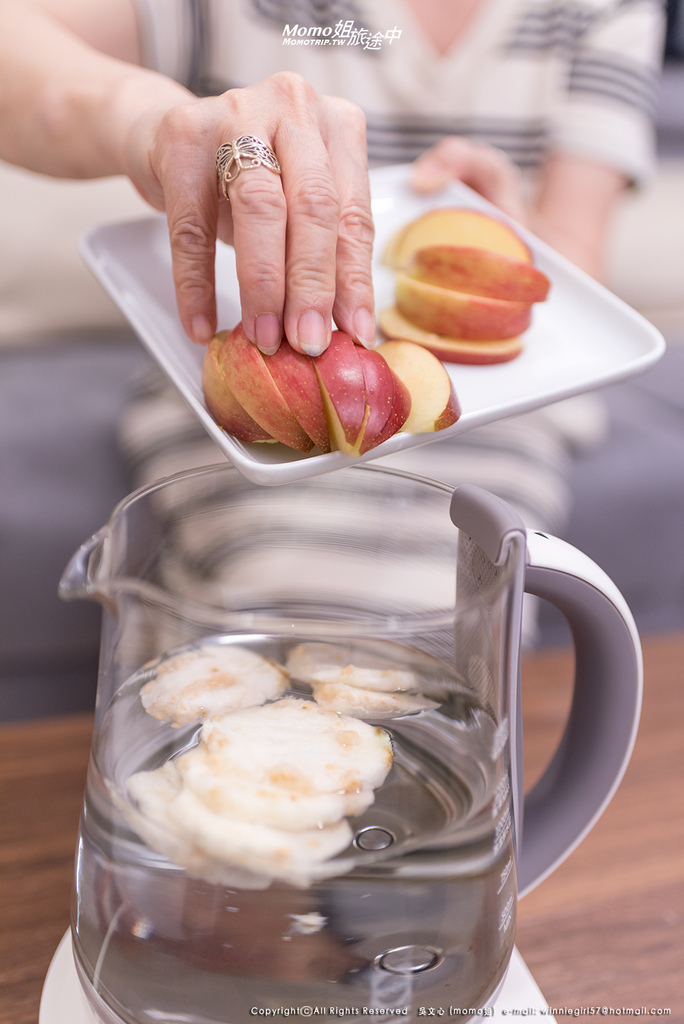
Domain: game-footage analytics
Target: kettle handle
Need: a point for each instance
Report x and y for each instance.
(594, 751)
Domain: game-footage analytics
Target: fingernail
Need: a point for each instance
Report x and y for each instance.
(201, 330)
(312, 333)
(364, 328)
(267, 333)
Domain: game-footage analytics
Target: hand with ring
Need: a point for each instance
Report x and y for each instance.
(280, 172)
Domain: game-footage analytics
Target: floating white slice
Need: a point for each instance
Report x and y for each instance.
(325, 663)
(355, 701)
(300, 747)
(284, 803)
(212, 679)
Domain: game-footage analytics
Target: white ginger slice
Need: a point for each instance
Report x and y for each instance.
(299, 747)
(223, 802)
(212, 679)
(153, 793)
(352, 700)
(285, 803)
(174, 822)
(257, 847)
(324, 663)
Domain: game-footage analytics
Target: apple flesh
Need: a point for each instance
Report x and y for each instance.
(454, 225)
(463, 268)
(450, 350)
(457, 314)
(434, 404)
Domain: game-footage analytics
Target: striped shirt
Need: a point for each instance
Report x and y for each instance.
(528, 76)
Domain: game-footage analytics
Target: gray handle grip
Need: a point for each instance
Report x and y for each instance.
(600, 733)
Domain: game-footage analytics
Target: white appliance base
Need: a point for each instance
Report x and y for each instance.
(64, 1002)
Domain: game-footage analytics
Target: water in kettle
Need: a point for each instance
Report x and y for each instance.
(417, 911)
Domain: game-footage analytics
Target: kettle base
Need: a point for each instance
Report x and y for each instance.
(63, 1000)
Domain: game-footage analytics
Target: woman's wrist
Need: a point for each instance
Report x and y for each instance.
(135, 110)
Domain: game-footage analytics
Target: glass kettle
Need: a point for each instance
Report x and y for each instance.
(305, 793)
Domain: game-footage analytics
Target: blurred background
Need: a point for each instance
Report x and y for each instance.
(68, 363)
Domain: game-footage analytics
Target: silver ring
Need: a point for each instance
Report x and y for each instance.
(242, 153)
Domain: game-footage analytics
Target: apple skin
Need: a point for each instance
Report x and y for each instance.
(343, 390)
(247, 376)
(450, 350)
(454, 225)
(458, 315)
(222, 403)
(295, 377)
(401, 409)
(434, 403)
(386, 397)
(493, 275)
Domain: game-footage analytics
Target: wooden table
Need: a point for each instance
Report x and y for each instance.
(607, 929)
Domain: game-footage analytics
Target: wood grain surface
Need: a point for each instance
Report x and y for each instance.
(607, 929)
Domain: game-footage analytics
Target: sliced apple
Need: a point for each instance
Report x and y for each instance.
(383, 391)
(458, 315)
(379, 381)
(450, 350)
(464, 268)
(401, 409)
(434, 404)
(247, 376)
(295, 377)
(222, 403)
(454, 225)
(343, 390)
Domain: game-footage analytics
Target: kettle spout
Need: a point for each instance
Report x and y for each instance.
(78, 579)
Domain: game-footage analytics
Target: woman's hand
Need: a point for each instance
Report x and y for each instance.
(482, 167)
(303, 240)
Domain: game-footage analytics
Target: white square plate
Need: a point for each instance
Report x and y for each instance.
(581, 338)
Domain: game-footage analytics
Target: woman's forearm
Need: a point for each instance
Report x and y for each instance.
(574, 209)
(66, 108)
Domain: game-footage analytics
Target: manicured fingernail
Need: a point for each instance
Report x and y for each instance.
(364, 328)
(201, 330)
(312, 333)
(267, 333)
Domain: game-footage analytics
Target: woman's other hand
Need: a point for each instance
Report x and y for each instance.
(482, 167)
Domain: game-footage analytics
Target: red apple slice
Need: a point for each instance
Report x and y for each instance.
(222, 403)
(401, 408)
(434, 403)
(479, 272)
(343, 390)
(295, 377)
(457, 314)
(247, 376)
(449, 350)
(379, 381)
